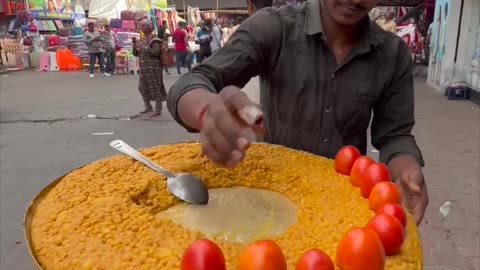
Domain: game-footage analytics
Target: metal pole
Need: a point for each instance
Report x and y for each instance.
(184, 11)
(216, 16)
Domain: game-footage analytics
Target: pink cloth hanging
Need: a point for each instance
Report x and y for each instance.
(159, 15)
(174, 19)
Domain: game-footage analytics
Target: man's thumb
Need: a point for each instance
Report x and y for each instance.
(238, 102)
(414, 187)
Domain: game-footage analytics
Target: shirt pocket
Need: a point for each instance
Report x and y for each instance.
(353, 114)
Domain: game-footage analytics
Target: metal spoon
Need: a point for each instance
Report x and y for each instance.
(186, 187)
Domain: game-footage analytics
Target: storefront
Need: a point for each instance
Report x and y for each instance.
(468, 55)
(455, 46)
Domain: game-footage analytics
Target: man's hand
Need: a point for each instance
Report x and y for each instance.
(407, 173)
(229, 126)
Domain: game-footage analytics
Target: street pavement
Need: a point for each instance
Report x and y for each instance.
(45, 133)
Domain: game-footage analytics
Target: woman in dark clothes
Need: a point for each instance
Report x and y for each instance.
(151, 87)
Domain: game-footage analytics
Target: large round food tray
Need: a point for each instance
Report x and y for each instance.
(29, 215)
(27, 221)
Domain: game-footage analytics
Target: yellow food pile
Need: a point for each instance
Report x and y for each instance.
(102, 216)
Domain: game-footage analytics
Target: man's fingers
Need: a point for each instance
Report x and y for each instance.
(411, 184)
(259, 128)
(251, 115)
(239, 103)
(416, 182)
(220, 136)
(414, 187)
(228, 126)
(209, 151)
(418, 213)
(234, 98)
(216, 139)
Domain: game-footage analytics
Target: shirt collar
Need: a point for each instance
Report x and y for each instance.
(313, 24)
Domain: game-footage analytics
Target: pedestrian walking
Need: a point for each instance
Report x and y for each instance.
(96, 50)
(204, 38)
(181, 47)
(148, 50)
(216, 33)
(323, 73)
(110, 41)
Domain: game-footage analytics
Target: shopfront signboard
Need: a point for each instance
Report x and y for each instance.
(439, 40)
(12, 6)
(404, 3)
(56, 9)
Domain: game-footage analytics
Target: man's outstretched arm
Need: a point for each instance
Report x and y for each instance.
(244, 56)
(392, 126)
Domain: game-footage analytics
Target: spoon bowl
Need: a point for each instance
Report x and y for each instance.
(185, 187)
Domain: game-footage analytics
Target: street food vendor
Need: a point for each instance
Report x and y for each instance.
(324, 68)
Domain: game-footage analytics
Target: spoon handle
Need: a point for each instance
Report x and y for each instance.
(131, 152)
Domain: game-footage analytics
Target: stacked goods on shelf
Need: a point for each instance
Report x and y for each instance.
(78, 47)
(128, 20)
(125, 40)
(116, 23)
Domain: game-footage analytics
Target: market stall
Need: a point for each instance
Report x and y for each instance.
(43, 28)
(412, 18)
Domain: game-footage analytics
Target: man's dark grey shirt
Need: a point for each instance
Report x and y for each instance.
(311, 102)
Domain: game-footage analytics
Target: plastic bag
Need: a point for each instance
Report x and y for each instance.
(62, 59)
(74, 63)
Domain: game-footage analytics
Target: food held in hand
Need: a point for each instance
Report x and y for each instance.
(361, 249)
(359, 168)
(116, 213)
(383, 193)
(394, 210)
(345, 159)
(375, 173)
(315, 259)
(203, 255)
(390, 231)
(262, 255)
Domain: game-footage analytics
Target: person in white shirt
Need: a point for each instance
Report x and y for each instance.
(236, 24)
(389, 25)
(216, 42)
(110, 44)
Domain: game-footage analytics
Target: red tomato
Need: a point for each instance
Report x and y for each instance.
(203, 255)
(374, 174)
(262, 255)
(383, 193)
(395, 210)
(358, 170)
(361, 249)
(345, 159)
(390, 231)
(315, 259)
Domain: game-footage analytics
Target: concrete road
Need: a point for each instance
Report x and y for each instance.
(43, 135)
